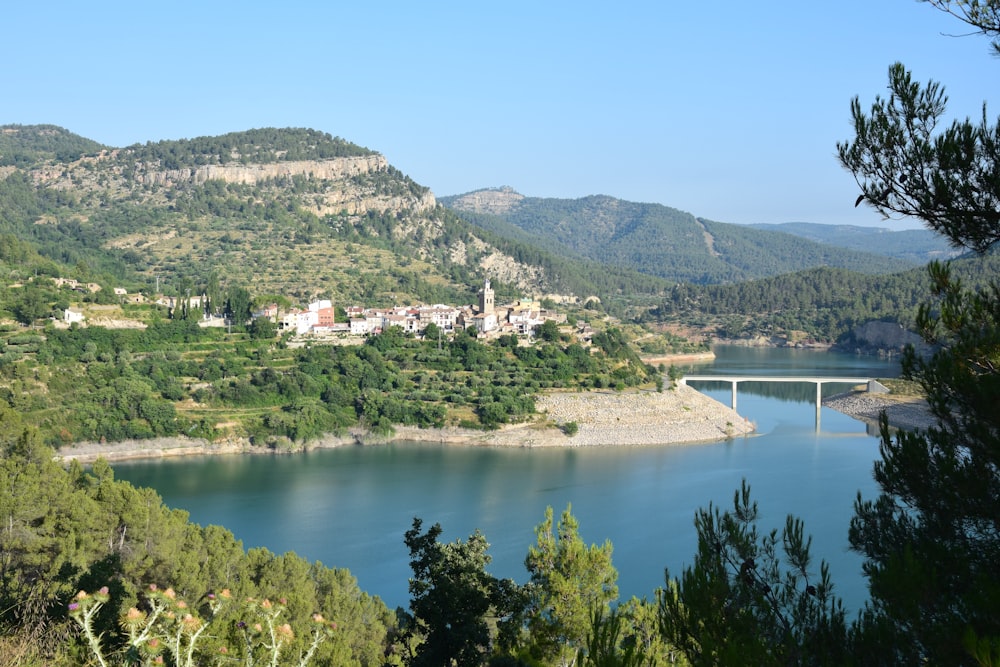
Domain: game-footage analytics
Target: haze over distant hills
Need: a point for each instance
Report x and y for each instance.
(656, 239)
(918, 245)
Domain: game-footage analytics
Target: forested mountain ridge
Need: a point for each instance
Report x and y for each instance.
(918, 245)
(295, 212)
(29, 144)
(822, 304)
(656, 239)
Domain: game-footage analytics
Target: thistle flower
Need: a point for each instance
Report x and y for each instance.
(285, 631)
(134, 617)
(190, 623)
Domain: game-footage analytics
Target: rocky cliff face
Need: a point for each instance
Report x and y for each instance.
(330, 170)
(883, 337)
(341, 196)
(494, 201)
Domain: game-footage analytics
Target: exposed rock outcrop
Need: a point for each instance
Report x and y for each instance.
(494, 201)
(330, 170)
(352, 200)
(882, 337)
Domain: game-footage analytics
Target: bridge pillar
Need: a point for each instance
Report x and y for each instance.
(819, 402)
(734, 394)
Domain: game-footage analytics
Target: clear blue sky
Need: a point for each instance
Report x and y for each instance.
(730, 110)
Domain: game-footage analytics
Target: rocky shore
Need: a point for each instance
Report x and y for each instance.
(674, 416)
(678, 415)
(907, 412)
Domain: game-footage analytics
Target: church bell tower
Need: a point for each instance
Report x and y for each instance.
(486, 299)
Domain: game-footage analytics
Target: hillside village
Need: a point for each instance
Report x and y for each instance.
(318, 318)
(519, 318)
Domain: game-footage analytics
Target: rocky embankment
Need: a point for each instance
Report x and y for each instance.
(674, 416)
(908, 413)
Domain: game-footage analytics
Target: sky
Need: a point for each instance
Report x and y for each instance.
(730, 110)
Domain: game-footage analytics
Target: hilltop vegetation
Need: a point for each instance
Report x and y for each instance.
(25, 145)
(294, 212)
(299, 214)
(655, 239)
(915, 245)
(823, 304)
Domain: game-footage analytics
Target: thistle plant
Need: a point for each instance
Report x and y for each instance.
(266, 637)
(170, 631)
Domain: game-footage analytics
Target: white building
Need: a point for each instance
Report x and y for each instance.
(321, 304)
(443, 317)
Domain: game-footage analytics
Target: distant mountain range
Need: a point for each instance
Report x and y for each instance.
(675, 245)
(916, 245)
(302, 214)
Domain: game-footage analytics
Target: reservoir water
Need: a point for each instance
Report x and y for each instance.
(349, 507)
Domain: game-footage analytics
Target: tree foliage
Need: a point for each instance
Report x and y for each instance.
(948, 179)
(751, 598)
(931, 538)
(456, 604)
(569, 583)
(66, 530)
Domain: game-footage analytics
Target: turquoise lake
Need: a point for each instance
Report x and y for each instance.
(349, 507)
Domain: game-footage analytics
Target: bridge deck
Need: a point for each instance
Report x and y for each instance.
(734, 381)
(775, 378)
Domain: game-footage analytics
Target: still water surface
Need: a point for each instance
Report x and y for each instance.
(349, 507)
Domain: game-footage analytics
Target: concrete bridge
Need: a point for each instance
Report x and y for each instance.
(870, 383)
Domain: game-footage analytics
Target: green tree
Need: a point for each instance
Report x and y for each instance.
(569, 583)
(930, 538)
(454, 600)
(744, 603)
(30, 306)
(606, 646)
(548, 331)
(262, 328)
(432, 331)
(238, 305)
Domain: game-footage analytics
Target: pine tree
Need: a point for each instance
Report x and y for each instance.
(931, 539)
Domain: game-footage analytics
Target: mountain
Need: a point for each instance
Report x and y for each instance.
(917, 245)
(822, 304)
(22, 145)
(288, 212)
(655, 239)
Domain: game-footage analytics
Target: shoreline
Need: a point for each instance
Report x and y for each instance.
(604, 418)
(679, 416)
(908, 413)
